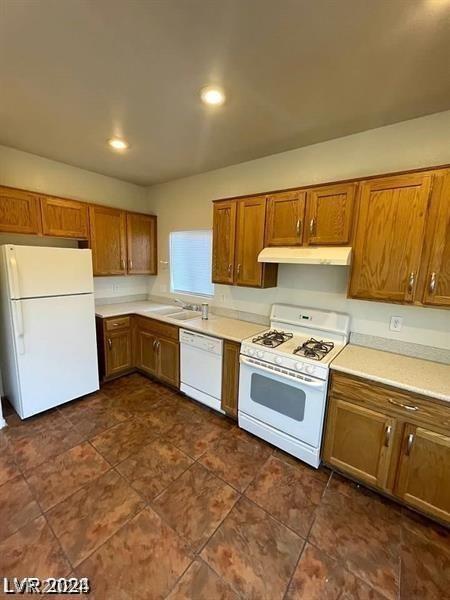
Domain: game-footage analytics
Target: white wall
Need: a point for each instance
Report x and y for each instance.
(34, 173)
(186, 204)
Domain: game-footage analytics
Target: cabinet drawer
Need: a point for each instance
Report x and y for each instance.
(158, 328)
(393, 401)
(117, 323)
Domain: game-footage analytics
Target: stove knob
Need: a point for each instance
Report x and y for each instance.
(309, 369)
(299, 366)
(260, 354)
(250, 351)
(278, 360)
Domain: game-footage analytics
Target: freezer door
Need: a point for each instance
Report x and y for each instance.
(36, 271)
(56, 351)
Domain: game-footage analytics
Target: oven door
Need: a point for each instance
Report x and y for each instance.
(286, 403)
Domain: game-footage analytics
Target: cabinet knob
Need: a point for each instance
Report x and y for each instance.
(109, 340)
(432, 286)
(411, 281)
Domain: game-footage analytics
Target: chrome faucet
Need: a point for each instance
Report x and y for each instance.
(186, 306)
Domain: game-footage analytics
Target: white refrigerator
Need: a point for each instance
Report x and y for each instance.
(48, 341)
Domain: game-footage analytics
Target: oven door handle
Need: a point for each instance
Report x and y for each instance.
(295, 378)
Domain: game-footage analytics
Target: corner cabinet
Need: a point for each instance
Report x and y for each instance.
(238, 238)
(108, 240)
(156, 349)
(392, 440)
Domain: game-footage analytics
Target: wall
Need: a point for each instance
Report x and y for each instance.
(31, 172)
(186, 204)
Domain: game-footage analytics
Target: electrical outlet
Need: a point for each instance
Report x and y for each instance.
(396, 324)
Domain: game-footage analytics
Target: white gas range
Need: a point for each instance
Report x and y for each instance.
(284, 377)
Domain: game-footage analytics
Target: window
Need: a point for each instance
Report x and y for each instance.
(190, 262)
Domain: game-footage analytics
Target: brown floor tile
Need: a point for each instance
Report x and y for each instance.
(195, 504)
(59, 477)
(425, 556)
(17, 506)
(254, 553)
(154, 467)
(290, 494)
(44, 437)
(89, 517)
(319, 577)
(8, 466)
(33, 551)
(200, 582)
(142, 561)
(362, 532)
(194, 438)
(119, 442)
(236, 458)
(163, 418)
(129, 384)
(141, 402)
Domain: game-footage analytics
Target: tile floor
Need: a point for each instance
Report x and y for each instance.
(151, 495)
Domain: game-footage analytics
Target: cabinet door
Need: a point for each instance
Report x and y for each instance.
(230, 378)
(359, 441)
(284, 219)
(118, 352)
(19, 211)
(250, 241)
(169, 361)
(64, 218)
(141, 243)
(423, 477)
(437, 280)
(224, 235)
(330, 215)
(108, 226)
(146, 352)
(389, 238)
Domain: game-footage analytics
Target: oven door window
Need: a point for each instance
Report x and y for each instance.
(281, 397)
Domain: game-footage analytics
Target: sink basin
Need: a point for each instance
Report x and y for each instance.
(167, 310)
(184, 315)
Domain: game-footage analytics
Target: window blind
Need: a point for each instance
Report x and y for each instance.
(190, 262)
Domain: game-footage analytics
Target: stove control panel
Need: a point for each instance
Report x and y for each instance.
(287, 362)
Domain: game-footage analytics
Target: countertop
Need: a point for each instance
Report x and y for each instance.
(413, 374)
(221, 327)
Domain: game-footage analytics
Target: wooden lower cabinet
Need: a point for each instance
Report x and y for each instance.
(118, 352)
(424, 471)
(230, 378)
(146, 355)
(392, 440)
(169, 361)
(359, 441)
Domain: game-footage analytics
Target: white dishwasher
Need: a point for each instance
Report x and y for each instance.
(201, 368)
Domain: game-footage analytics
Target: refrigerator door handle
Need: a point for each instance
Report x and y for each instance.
(15, 288)
(18, 320)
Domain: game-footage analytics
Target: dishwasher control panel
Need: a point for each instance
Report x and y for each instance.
(203, 342)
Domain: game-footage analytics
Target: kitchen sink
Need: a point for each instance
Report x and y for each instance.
(184, 315)
(166, 310)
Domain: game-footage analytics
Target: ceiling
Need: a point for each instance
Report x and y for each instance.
(75, 72)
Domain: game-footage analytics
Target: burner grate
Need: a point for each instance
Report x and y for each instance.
(273, 338)
(314, 349)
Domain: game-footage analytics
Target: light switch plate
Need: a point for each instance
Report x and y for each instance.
(396, 324)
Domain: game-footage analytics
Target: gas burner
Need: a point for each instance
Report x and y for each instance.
(314, 349)
(272, 338)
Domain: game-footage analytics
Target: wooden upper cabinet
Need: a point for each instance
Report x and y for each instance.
(359, 441)
(19, 211)
(437, 267)
(389, 238)
(64, 218)
(423, 478)
(251, 219)
(141, 244)
(224, 236)
(330, 215)
(284, 219)
(108, 240)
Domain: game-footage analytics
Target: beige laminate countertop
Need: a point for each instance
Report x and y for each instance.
(414, 374)
(221, 327)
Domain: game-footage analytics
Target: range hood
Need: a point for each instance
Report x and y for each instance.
(307, 255)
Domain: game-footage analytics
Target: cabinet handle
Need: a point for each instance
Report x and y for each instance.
(387, 435)
(238, 271)
(299, 227)
(122, 262)
(230, 266)
(409, 407)
(158, 344)
(130, 264)
(154, 344)
(409, 443)
(411, 281)
(312, 225)
(432, 287)
(109, 340)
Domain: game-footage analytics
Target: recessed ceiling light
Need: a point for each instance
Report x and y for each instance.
(212, 95)
(118, 144)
